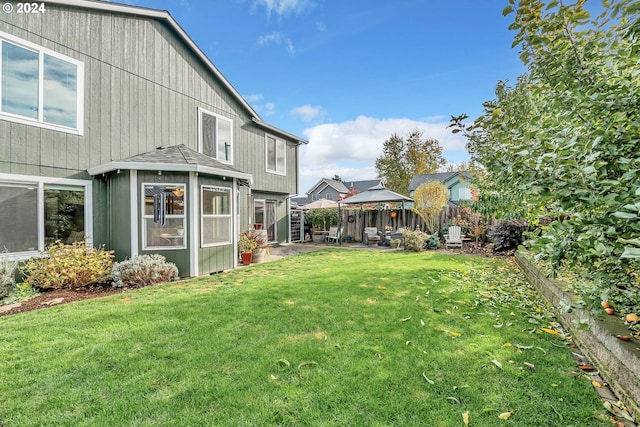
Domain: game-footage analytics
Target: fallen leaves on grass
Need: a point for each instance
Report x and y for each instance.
(505, 415)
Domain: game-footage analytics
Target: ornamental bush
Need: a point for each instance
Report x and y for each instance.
(143, 270)
(68, 266)
(415, 240)
(507, 234)
(8, 268)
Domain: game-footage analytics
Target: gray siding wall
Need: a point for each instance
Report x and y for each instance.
(142, 88)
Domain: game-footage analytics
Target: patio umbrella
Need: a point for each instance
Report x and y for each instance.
(320, 204)
(375, 194)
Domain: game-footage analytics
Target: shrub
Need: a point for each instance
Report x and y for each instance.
(414, 240)
(433, 241)
(68, 266)
(8, 267)
(507, 234)
(143, 270)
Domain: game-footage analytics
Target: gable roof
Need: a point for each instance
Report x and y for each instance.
(362, 186)
(326, 182)
(443, 177)
(343, 187)
(177, 158)
(165, 17)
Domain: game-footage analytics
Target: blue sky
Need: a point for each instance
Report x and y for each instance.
(347, 74)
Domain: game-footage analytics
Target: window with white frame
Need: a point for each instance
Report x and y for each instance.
(464, 193)
(163, 216)
(276, 160)
(40, 212)
(215, 136)
(39, 86)
(216, 215)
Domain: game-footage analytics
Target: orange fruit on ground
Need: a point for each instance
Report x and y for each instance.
(605, 304)
(632, 318)
(609, 310)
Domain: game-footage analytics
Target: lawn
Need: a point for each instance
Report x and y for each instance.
(335, 337)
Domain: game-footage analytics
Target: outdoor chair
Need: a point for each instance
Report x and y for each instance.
(371, 236)
(334, 235)
(454, 239)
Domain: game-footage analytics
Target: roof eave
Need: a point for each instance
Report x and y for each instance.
(168, 167)
(279, 131)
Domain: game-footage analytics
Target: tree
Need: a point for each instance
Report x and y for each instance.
(429, 199)
(563, 141)
(336, 177)
(402, 159)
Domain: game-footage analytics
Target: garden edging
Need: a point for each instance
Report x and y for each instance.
(617, 360)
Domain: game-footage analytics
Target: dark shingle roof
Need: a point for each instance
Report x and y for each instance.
(443, 177)
(178, 158)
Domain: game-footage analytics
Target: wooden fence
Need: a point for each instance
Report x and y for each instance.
(355, 220)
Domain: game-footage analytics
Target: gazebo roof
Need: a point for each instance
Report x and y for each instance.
(375, 194)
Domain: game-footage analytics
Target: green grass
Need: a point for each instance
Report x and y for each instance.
(336, 337)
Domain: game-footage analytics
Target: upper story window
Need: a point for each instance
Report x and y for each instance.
(215, 136)
(464, 193)
(276, 157)
(40, 87)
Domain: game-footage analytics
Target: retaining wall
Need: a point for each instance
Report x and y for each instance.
(618, 361)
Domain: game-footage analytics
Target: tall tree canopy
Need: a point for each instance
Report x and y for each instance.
(402, 158)
(429, 199)
(564, 140)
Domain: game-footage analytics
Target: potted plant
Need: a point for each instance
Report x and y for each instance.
(180, 230)
(246, 245)
(259, 238)
(395, 243)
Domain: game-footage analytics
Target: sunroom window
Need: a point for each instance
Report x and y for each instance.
(36, 214)
(216, 216)
(164, 216)
(216, 136)
(39, 86)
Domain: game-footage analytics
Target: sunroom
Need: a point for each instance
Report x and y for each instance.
(175, 202)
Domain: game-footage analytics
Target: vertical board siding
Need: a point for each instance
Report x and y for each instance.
(118, 205)
(142, 88)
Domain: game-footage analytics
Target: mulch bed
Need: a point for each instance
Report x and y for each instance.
(67, 295)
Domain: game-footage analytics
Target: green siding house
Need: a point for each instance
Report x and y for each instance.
(459, 185)
(115, 126)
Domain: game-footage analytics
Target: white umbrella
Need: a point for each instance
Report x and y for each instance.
(321, 204)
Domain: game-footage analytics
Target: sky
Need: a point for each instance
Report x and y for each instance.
(346, 75)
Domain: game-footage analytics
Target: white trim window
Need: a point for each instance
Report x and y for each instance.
(215, 205)
(215, 136)
(163, 216)
(464, 193)
(39, 211)
(275, 149)
(40, 87)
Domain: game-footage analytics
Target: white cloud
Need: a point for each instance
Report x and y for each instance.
(276, 38)
(267, 39)
(284, 7)
(308, 113)
(350, 148)
(258, 103)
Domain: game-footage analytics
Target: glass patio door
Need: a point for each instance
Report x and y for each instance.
(265, 217)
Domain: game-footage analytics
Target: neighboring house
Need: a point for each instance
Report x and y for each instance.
(114, 125)
(458, 183)
(332, 189)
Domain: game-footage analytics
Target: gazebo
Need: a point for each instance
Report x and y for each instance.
(375, 194)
